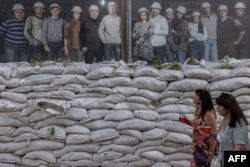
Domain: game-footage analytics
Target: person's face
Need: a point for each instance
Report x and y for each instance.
(223, 13)
(196, 99)
(222, 111)
(39, 11)
(143, 16)
(112, 9)
(207, 10)
(196, 19)
(76, 15)
(179, 15)
(155, 11)
(239, 12)
(19, 15)
(55, 12)
(94, 14)
(170, 15)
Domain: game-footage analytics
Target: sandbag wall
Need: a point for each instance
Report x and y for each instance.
(108, 115)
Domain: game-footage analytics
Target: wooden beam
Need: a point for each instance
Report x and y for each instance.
(124, 27)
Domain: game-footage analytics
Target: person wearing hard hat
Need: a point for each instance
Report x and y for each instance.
(12, 30)
(72, 46)
(109, 32)
(142, 32)
(242, 21)
(198, 34)
(180, 30)
(226, 33)
(91, 44)
(33, 31)
(160, 31)
(52, 33)
(209, 20)
(171, 47)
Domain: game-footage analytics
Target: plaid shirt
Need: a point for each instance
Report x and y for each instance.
(183, 46)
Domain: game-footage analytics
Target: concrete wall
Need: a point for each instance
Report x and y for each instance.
(110, 114)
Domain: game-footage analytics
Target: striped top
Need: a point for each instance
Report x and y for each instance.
(13, 31)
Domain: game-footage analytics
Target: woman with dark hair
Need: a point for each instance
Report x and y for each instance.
(142, 32)
(198, 34)
(205, 117)
(233, 133)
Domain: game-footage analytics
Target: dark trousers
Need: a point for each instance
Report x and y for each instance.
(93, 53)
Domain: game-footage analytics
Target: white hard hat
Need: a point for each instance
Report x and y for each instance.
(222, 7)
(18, 6)
(240, 5)
(205, 5)
(76, 9)
(142, 10)
(112, 4)
(54, 5)
(93, 7)
(181, 9)
(195, 13)
(169, 10)
(38, 4)
(156, 5)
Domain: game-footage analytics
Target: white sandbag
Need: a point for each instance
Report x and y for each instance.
(241, 72)
(247, 114)
(132, 106)
(39, 116)
(112, 82)
(128, 158)
(243, 99)
(55, 121)
(115, 98)
(12, 147)
(170, 75)
(90, 103)
(16, 97)
(5, 71)
(54, 132)
(108, 155)
(177, 108)
(125, 91)
(189, 149)
(135, 133)
(76, 113)
(169, 94)
(8, 105)
(126, 140)
(95, 115)
(6, 139)
(36, 95)
(149, 83)
(187, 101)
(41, 155)
(2, 88)
(86, 163)
(25, 137)
(230, 84)
(243, 63)
(64, 163)
(6, 121)
(170, 116)
(102, 90)
(150, 143)
(175, 126)
(51, 69)
(72, 87)
(244, 106)
(100, 124)
(74, 156)
(77, 139)
(7, 165)
(71, 79)
(182, 163)
(124, 71)
(7, 131)
(125, 149)
(198, 73)
(187, 85)
(13, 82)
(22, 89)
(61, 94)
(154, 134)
(179, 138)
(33, 162)
(138, 99)
(90, 148)
(153, 155)
(90, 95)
(99, 72)
(241, 91)
(103, 134)
(161, 164)
(166, 101)
(146, 71)
(220, 74)
(77, 129)
(148, 94)
(38, 79)
(23, 71)
(136, 124)
(25, 129)
(163, 149)
(149, 115)
(45, 88)
(141, 162)
(177, 157)
(29, 110)
(80, 69)
(9, 158)
(118, 115)
(36, 145)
